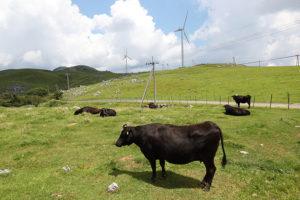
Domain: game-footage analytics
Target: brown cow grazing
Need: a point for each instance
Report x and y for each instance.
(105, 112)
(236, 111)
(242, 99)
(177, 145)
(88, 110)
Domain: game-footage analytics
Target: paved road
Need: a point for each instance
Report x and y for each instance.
(274, 105)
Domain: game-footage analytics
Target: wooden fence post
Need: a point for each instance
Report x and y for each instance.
(288, 100)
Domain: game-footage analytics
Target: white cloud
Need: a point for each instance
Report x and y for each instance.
(5, 59)
(34, 57)
(63, 36)
(249, 30)
(53, 33)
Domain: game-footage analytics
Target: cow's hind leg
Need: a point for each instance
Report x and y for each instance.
(153, 166)
(162, 164)
(210, 172)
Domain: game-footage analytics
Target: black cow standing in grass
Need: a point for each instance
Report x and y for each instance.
(242, 99)
(88, 110)
(229, 110)
(177, 145)
(106, 112)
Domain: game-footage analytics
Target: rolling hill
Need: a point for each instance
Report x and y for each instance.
(20, 80)
(212, 82)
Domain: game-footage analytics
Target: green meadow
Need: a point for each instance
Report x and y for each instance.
(212, 82)
(37, 142)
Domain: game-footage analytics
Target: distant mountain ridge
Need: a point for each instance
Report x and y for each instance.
(81, 68)
(18, 81)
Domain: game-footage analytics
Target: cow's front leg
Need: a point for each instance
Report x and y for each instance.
(153, 166)
(162, 164)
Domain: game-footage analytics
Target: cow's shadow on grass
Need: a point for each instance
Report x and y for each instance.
(172, 181)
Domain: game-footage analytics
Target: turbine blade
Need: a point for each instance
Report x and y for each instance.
(129, 58)
(187, 39)
(177, 30)
(185, 19)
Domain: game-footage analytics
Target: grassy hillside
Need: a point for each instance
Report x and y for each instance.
(203, 82)
(37, 142)
(20, 80)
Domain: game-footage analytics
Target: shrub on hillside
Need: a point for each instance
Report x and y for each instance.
(57, 95)
(52, 103)
(42, 92)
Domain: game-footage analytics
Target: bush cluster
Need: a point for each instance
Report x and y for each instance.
(33, 96)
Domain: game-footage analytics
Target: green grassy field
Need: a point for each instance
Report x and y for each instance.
(37, 142)
(203, 82)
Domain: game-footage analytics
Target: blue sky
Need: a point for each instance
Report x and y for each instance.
(168, 15)
(50, 33)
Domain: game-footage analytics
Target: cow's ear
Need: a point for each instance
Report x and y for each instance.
(125, 126)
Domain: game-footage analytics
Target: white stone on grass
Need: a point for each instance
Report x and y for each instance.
(5, 171)
(112, 187)
(244, 152)
(66, 168)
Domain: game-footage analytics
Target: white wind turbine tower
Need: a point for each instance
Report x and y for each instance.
(183, 32)
(125, 57)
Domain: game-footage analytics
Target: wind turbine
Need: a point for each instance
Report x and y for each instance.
(183, 33)
(125, 57)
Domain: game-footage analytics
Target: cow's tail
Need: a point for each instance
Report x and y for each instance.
(224, 160)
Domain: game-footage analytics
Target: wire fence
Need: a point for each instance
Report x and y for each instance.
(267, 100)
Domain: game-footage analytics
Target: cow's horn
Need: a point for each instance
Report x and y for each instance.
(125, 125)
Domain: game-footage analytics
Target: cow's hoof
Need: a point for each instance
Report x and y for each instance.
(203, 184)
(206, 188)
(164, 176)
(153, 179)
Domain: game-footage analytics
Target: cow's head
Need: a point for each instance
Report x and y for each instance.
(126, 136)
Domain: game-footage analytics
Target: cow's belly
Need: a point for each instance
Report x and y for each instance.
(180, 157)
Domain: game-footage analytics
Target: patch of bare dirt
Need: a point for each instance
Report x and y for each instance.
(133, 165)
(126, 158)
(72, 124)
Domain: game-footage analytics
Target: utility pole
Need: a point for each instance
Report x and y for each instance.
(68, 81)
(152, 73)
(297, 61)
(233, 61)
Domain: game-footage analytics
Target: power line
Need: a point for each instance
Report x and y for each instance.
(253, 36)
(271, 59)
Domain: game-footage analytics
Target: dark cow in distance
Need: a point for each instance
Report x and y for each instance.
(152, 105)
(229, 110)
(88, 110)
(242, 99)
(106, 112)
(177, 145)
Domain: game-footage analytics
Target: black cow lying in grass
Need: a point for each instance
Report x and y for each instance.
(177, 145)
(88, 110)
(242, 99)
(105, 112)
(153, 106)
(236, 111)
